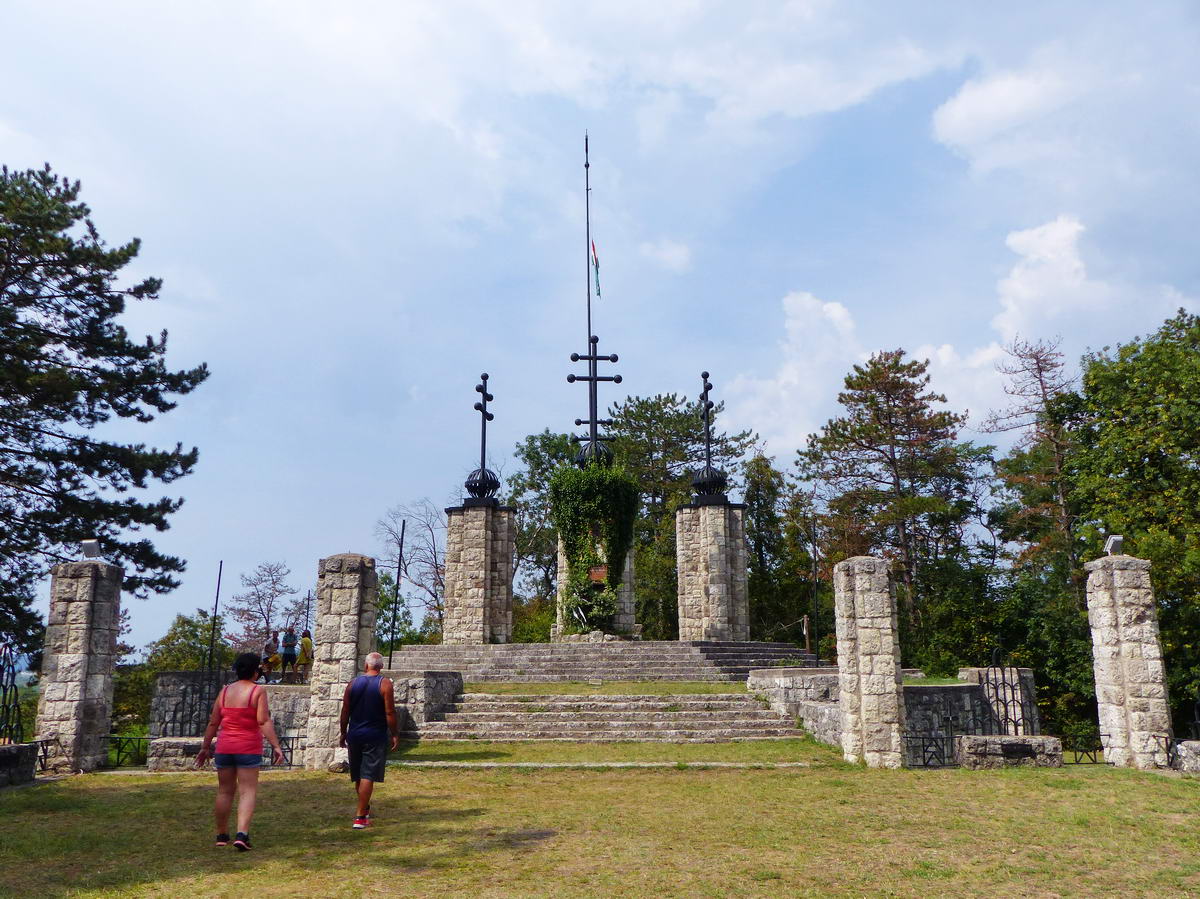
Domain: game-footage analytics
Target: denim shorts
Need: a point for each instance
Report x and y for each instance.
(237, 760)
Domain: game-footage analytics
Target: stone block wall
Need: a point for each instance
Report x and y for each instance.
(624, 621)
(1131, 684)
(81, 636)
(710, 541)
(1189, 756)
(347, 590)
(976, 752)
(480, 546)
(868, 648)
(18, 763)
(807, 694)
(423, 696)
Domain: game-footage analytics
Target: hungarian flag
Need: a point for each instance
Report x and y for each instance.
(596, 266)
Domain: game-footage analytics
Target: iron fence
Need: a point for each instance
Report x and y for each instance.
(11, 729)
(124, 751)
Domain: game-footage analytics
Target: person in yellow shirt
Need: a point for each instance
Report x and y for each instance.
(305, 659)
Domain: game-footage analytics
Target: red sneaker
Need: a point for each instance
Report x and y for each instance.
(362, 822)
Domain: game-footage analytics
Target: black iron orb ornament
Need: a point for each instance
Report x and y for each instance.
(482, 483)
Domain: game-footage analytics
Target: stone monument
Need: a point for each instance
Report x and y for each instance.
(710, 541)
(480, 547)
(1131, 683)
(345, 632)
(869, 677)
(77, 688)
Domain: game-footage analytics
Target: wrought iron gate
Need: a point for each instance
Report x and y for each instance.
(11, 726)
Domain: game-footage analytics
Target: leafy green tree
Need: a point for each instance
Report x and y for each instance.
(184, 647)
(660, 442)
(783, 582)
(1136, 472)
(394, 604)
(528, 490)
(67, 366)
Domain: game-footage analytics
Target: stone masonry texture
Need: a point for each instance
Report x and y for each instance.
(625, 620)
(345, 632)
(868, 649)
(711, 561)
(1131, 684)
(77, 686)
(480, 543)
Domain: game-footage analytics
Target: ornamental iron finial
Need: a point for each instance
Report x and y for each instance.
(708, 481)
(482, 483)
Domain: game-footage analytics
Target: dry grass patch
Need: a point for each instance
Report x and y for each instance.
(819, 832)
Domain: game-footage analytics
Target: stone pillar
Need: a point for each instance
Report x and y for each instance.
(480, 543)
(625, 619)
(344, 634)
(77, 687)
(1131, 683)
(710, 551)
(868, 648)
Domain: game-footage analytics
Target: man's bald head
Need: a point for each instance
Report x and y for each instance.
(374, 661)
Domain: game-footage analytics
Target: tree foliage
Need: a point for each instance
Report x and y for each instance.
(1136, 472)
(539, 456)
(262, 608)
(66, 367)
(659, 441)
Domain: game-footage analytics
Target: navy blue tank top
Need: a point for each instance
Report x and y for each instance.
(368, 720)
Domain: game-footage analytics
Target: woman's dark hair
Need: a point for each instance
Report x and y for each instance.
(306, 634)
(246, 665)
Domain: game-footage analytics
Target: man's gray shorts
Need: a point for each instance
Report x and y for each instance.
(367, 760)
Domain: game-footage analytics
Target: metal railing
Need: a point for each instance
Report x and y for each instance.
(123, 751)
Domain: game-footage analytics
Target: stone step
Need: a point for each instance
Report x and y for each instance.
(610, 714)
(614, 736)
(648, 699)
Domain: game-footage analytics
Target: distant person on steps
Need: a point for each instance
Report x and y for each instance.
(368, 726)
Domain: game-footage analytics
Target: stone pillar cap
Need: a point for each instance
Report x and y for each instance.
(1119, 562)
(83, 567)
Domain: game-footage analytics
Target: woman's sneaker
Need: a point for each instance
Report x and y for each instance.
(222, 839)
(242, 843)
(362, 822)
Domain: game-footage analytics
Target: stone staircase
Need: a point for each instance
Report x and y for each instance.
(681, 718)
(625, 660)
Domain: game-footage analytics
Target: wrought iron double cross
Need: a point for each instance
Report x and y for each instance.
(593, 421)
(482, 483)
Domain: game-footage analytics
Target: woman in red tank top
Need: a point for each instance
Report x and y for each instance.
(243, 719)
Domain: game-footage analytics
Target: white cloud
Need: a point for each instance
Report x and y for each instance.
(1049, 282)
(820, 344)
(669, 254)
(1000, 120)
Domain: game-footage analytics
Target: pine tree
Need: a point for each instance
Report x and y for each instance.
(890, 475)
(66, 367)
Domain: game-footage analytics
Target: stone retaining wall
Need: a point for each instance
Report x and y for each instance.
(807, 694)
(423, 696)
(18, 763)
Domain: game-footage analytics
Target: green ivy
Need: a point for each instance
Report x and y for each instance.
(582, 499)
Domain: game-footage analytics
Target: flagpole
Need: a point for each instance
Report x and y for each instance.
(593, 370)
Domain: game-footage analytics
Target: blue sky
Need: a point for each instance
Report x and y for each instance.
(357, 210)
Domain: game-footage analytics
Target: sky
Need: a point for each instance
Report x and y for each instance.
(357, 208)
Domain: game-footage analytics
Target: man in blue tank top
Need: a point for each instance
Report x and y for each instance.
(368, 721)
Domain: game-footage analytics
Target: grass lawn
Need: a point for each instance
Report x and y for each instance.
(823, 831)
(752, 751)
(627, 688)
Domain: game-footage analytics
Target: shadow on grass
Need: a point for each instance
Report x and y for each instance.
(421, 750)
(123, 834)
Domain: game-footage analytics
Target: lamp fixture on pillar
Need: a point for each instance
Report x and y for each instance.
(482, 483)
(708, 481)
